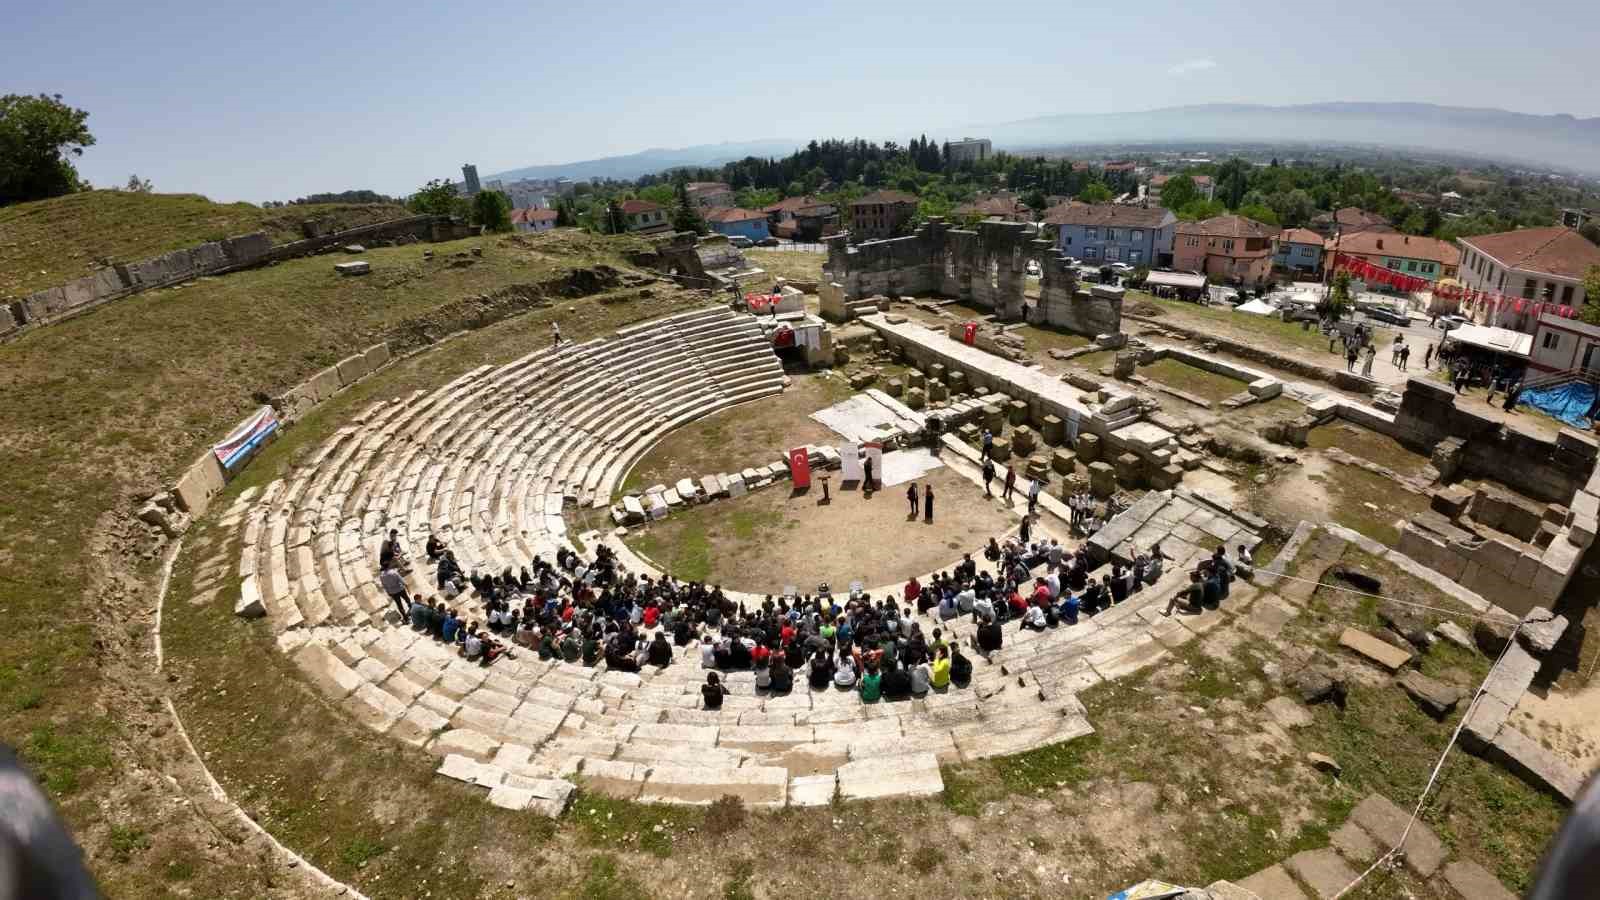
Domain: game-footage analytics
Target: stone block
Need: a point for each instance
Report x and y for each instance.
(894, 387)
(1323, 870)
(1129, 469)
(958, 383)
(355, 267)
(1064, 462)
(1088, 448)
(734, 485)
(1024, 441)
(1473, 882)
(1380, 652)
(1102, 479)
(936, 372)
(1273, 882)
(1266, 388)
(913, 775)
(1451, 502)
(916, 398)
(1436, 698)
(711, 487)
(1386, 822)
(1000, 450)
(352, 369)
(994, 418)
(1017, 412)
(937, 391)
(1166, 478)
(1053, 431)
(915, 378)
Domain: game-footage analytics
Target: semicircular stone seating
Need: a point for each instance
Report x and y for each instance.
(489, 462)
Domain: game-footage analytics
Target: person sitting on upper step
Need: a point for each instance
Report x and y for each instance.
(713, 691)
(660, 651)
(821, 669)
(896, 683)
(781, 676)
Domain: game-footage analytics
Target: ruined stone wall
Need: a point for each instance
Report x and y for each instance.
(984, 267)
(1547, 469)
(211, 258)
(1063, 303)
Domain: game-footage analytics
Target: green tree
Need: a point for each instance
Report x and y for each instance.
(1036, 200)
(565, 216)
(1591, 230)
(616, 220)
(438, 197)
(661, 195)
(1201, 209)
(137, 185)
(1333, 305)
(1095, 192)
(1294, 208)
(1178, 192)
(1262, 214)
(492, 210)
(38, 137)
(1591, 296)
(1233, 182)
(685, 217)
(756, 198)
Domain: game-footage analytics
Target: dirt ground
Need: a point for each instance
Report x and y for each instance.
(749, 435)
(773, 537)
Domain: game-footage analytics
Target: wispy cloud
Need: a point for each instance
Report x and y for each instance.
(1190, 66)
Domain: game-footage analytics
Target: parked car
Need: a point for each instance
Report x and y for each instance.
(1448, 322)
(742, 242)
(768, 242)
(1384, 314)
(1122, 268)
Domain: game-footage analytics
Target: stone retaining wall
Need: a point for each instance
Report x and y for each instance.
(212, 258)
(1339, 378)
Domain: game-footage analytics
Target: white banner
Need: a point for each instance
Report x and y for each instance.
(850, 456)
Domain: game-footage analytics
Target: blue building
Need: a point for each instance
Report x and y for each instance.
(1299, 250)
(736, 222)
(1104, 233)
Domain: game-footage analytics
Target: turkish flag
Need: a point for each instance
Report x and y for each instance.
(969, 332)
(800, 467)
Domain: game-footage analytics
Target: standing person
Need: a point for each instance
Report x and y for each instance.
(1350, 353)
(555, 332)
(1405, 356)
(1011, 484)
(1511, 397)
(825, 480)
(1494, 385)
(927, 502)
(911, 498)
(1366, 368)
(988, 475)
(1026, 531)
(1033, 495)
(988, 444)
(1427, 356)
(866, 469)
(395, 586)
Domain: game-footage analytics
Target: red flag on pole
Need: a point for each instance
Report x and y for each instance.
(800, 468)
(969, 332)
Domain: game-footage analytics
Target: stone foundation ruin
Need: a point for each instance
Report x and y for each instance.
(985, 267)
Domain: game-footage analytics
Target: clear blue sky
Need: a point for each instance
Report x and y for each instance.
(258, 101)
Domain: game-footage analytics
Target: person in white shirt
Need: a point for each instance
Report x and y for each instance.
(1033, 618)
(983, 609)
(473, 646)
(948, 608)
(966, 599)
(1246, 566)
(708, 652)
(920, 678)
(1053, 582)
(845, 675)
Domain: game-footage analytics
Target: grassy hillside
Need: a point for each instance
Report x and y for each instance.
(49, 242)
(99, 408)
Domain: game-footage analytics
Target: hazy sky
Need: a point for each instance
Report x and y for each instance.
(258, 101)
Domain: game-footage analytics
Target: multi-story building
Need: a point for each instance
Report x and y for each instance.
(645, 217)
(709, 194)
(880, 214)
(970, 150)
(1540, 265)
(1407, 254)
(735, 222)
(1107, 233)
(1573, 217)
(1225, 248)
(469, 177)
(801, 218)
(1299, 250)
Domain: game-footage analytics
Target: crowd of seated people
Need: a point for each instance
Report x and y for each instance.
(582, 611)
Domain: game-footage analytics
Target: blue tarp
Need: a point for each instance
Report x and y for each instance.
(1569, 402)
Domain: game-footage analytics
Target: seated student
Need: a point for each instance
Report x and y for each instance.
(547, 645)
(921, 675)
(739, 652)
(821, 670)
(990, 638)
(493, 650)
(591, 648)
(713, 691)
(939, 678)
(960, 667)
(844, 675)
(871, 686)
(472, 646)
(571, 647)
(435, 548)
(708, 651)
(419, 615)
(896, 683)
(983, 609)
(660, 651)
(1246, 566)
(1034, 619)
(1211, 590)
(1194, 594)
(1119, 584)
(1069, 609)
(948, 606)
(449, 628)
(781, 676)
(763, 675)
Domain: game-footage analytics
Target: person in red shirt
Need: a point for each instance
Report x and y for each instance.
(759, 655)
(1018, 605)
(651, 614)
(913, 590)
(786, 634)
(1041, 592)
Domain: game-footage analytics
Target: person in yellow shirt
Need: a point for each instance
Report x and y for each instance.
(941, 670)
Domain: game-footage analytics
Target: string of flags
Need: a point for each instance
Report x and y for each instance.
(1484, 301)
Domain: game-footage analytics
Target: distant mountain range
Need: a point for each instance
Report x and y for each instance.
(1559, 140)
(649, 162)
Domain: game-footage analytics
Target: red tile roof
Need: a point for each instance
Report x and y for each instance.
(1111, 214)
(885, 197)
(793, 204)
(529, 216)
(734, 214)
(634, 207)
(1299, 236)
(1227, 227)
(1402, 246)
(1556, 251)
(1348, 217)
